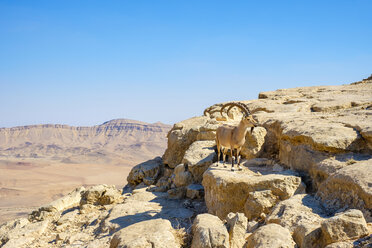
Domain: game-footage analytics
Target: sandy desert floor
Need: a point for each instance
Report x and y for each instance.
(27, 184)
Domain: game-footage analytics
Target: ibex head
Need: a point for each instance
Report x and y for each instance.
(247, 119)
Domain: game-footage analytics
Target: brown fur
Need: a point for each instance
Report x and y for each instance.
(230, 137)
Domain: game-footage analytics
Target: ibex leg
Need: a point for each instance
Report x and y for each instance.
(238, 157)
(232, 160)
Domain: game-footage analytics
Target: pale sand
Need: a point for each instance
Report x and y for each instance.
(26, 185)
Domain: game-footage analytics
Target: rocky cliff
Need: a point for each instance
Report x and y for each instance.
(306, 181)
(112, 142)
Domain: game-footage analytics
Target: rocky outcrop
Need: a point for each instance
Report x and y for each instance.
(185, 133)
(227, 191)
(271, 235)
(208, 232)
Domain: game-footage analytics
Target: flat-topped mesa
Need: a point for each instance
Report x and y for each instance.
(115, 141)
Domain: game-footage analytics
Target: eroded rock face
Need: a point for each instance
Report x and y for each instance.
(271, 235)
(350, 186)
(344, 226)
(209, 231)
(146, 172)
(227, 191)
(153, 233)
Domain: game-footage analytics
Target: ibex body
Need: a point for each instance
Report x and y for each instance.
(233, 137)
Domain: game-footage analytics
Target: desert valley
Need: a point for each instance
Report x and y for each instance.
(40, 163)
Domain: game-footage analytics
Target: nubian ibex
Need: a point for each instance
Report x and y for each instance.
(233, 137)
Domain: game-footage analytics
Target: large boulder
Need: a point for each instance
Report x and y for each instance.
(227, 191)
(198, 157)
(350, 186)
(149, 233)
(146, 172)
(209, 232)
(344, 226)
(271, 235)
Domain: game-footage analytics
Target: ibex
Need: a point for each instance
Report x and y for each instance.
(233, 137)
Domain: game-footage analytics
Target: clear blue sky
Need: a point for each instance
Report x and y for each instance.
(86, 62)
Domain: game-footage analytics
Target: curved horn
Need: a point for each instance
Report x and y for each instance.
(206, 111)
(242, 106)
(224, 106)
(209, 111)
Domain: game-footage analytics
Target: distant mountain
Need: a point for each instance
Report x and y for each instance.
(116, 142)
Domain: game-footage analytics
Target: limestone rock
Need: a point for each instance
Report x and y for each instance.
(145, 172)
(259, 202)
(227, 191)
(144, 205)
(237, 226)
(209, 231)
(350, 186)
(344, 226)
(182, 177)
(68, 217)
(299, 209)
(271, 235)
(254, 143)
(340, 245)
(199, 156)
(19, 237)
(52, 209)
(150, 233)
(101, 195)
(180, 137)
(308, 235)
(9, 226)
(177, 193)
(195, 191)
(302, 215)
